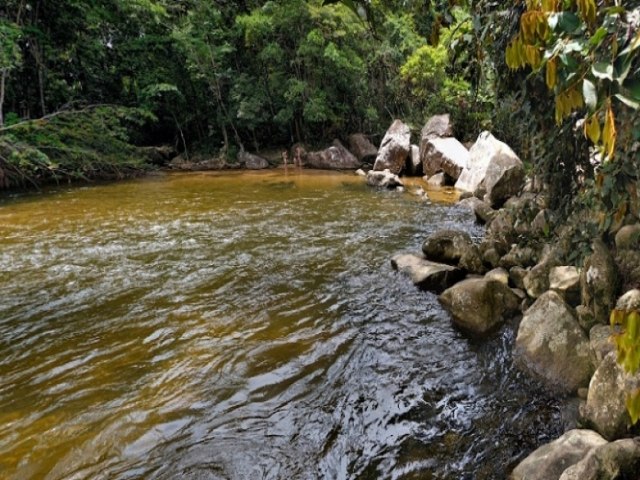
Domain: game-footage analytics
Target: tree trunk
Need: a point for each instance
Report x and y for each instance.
(3, 79)
(43, 106)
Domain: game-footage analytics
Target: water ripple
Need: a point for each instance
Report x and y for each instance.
(243, 326)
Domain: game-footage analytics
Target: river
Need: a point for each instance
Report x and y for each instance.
(244, 326)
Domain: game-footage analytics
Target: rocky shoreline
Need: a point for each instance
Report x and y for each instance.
(520, 268)
(523, 268)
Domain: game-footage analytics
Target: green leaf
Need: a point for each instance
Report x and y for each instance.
(622, 65)
(574, 46)
(566, 22)
(627, 101)
(632, 87)
(602, 70)
(590, 94)
(614, 10)
(597, 37)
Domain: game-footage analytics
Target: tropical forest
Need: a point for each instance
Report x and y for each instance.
(320, 239)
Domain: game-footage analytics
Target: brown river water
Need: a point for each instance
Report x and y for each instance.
(244, 326)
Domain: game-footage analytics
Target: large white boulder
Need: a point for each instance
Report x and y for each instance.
(446, 155)
(494, 170)
(394, 148)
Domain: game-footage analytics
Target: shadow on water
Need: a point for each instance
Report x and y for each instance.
(231, 326)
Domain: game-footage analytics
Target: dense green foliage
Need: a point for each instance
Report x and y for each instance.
(221, 76)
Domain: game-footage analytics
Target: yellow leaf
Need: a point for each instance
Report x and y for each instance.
(632, 318)
(591, 11)
(558, 114)
(633, 406)
(587, 10)
(576, 98)
(609, 133)
(551, 73)
(618, 218)
(543, 28)
(616, 317)
(592, 129)
(528, 26)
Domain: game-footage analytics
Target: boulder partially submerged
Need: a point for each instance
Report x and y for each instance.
(425, 274)
(383, 179)
(447, 246)
(479, 305)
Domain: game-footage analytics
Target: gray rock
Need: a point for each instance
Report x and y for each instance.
(628, 264)
(605, 409)
(503, 179)
(494, 168)
(471, 261)
(501, 231)
(499, 274)
(252, 161)
(628, 237)
(491, 257)
(585, 317)
(551, 345)
(541, 224)
(158, 155)
(198, 163)
(394, 149)
(414, 164)
(566, 281)
(600, 344)
(427, 275)
(599, 282)
(615, 460)
(516, 275)
(437, 126)
(536, 282)
(630, 301)
(518, 257)
(384, 179)
(483, 212)
(437, 180)
(336, 157)
(446, 155)
(361, 172)
(447, 246)
(549, 461)
(362, 148)
(479, 305)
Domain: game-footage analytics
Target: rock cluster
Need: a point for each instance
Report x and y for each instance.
(563, 338)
